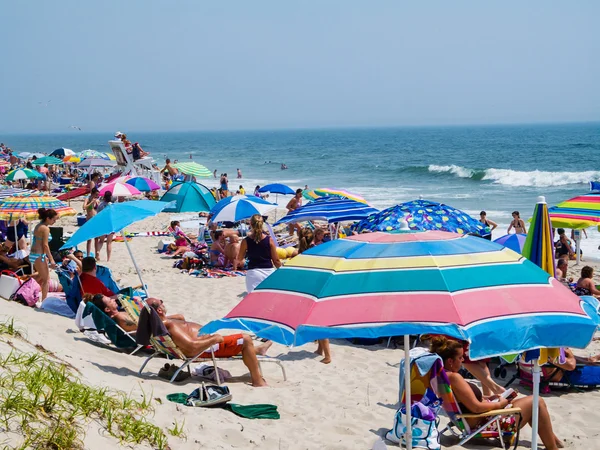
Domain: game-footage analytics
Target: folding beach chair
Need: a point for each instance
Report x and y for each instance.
(164, 345)
(283, 241)
(117, 335)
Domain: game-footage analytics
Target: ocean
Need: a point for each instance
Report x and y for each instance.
(498, 168)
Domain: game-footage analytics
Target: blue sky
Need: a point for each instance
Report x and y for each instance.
(199, 65)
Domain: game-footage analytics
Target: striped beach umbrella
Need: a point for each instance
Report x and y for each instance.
(193, 169)
(71, 159)
(539, 245)
(50, 160)
(513, 241)
(389, 284)
(62, 152)
(240, 207)
(11, 192)
(22, 174)
(421, 215)
(330, 210)
(93, 154)
(578, 212)
(119, 190)
(26, 205)
(327, 192)
(142, 184)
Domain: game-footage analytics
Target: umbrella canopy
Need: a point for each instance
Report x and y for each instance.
(386, 284)
(71, 159)
(114, 218)
(11, 192)
(143, 184)
(327, 192)
(423, 215)
(513, 241)
(24, 154)
(330, 210)
(94, 154)
(26, 205)
(277, 188)
(119, 190)
(22, 174)
(193, 169)
(189, 197)
(578, 212)
(62, 152)
(539, 245)
(240, 207)
(96, 162)
(50, 160)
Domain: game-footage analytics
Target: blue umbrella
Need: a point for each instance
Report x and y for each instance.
(189, 197)
(240, 207)
(423, 215)
(513, 241)
(277, 188)
(330, 209)
(113, 219)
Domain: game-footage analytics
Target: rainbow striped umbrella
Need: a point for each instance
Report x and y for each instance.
(539, 244)
(25, 206)
(193, 169)
(327, 192)
(386, 284)
(578, 212)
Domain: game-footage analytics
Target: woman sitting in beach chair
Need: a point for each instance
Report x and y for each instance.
(182, 241)
(471, 400)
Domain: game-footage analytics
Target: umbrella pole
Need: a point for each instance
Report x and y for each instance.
(536, 403)
(578, 246)
(407, 401)
(276, 196)
(137, 269)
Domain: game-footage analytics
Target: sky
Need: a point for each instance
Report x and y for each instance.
(154, 65)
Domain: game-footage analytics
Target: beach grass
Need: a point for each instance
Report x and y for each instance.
(47, 406)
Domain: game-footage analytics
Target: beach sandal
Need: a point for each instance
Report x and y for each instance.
(209, 396)
(168, 370)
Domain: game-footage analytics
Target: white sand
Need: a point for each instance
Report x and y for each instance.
(344, 405)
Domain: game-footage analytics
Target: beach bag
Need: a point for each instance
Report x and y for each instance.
(424, 422)
(9, 283)
(28, 293)
(209, 395)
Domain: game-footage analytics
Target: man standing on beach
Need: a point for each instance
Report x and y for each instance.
(293, 204)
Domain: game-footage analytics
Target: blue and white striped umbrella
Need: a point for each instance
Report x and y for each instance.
(11, 192)
(330, 209)
(240, 207)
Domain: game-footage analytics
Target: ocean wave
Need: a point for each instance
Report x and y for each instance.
(508, 177)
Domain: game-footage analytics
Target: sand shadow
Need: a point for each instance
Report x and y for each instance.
(394, 406)
(298, 356)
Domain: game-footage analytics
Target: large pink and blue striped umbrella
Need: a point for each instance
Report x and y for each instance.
(385, 284)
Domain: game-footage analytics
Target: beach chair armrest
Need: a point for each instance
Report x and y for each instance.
(494, 412)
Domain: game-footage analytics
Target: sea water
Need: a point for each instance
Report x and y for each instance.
(494, 168)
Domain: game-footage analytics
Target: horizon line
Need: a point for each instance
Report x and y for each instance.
(314, 128)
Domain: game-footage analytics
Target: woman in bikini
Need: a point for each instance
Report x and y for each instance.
(40, 256)
(517, 223)
(471, 400)
(90, 205)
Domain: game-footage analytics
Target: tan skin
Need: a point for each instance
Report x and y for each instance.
(41, 233)
(232, 249)
(292, 205)
(89, 207)
(518, 224)
(121, 318)
(185, 336)
(464, 395)
(589, 284)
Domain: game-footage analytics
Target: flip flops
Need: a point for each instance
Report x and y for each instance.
(168, 370)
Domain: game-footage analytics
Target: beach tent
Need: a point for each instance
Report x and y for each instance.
(189, 197)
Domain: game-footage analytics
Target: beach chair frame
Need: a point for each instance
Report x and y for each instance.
(125, 333)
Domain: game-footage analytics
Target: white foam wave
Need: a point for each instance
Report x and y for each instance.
(459, 171)
(508, 177)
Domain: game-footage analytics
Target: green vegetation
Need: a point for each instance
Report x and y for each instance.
(44, 403)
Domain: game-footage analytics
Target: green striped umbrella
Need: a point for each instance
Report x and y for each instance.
(193, 169)
(50, 160)
(22, 174)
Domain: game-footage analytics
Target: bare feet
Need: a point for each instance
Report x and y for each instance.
(326, 360)
(260, 383)
(559, 443)
(262, 349)
(319, 351)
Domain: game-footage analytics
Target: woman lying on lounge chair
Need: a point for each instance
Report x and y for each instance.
(471, 400)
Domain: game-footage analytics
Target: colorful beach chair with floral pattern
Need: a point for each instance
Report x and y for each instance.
(501, 424)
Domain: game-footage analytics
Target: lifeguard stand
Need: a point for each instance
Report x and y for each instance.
(141, 167)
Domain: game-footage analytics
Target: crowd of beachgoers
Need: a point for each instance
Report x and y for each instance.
(77, 283)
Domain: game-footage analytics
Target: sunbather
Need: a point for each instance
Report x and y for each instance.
(217, 249)
(90, 284)
(185, 336)
(181, 240)
(109, 306)
(231, 251)
(471, 400)
(585, 285)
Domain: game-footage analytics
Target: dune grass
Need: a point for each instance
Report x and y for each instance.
(42, 401)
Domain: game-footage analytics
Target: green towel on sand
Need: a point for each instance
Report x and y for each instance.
(260, 411)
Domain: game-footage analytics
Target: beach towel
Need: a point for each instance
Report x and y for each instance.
(58, 305)
(258, 411)
(255, 276)
(110, 328)
(216, 273)
(149, 325)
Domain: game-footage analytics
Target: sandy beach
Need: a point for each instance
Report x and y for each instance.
(347, 404)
